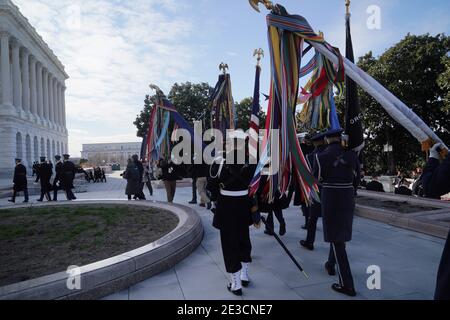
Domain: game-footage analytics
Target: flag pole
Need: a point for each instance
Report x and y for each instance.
(270, 229)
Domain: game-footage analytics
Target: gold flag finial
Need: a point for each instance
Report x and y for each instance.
(347, 6)
(259, 54)
(255, 4)
(224, 67)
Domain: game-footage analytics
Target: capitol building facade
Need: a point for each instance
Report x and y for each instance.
(32, 94)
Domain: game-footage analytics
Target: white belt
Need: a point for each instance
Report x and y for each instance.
(234, 193)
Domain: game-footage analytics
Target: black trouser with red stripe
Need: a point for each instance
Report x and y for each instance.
(338, 255)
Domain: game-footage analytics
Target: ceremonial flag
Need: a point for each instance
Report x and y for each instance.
(353, 115)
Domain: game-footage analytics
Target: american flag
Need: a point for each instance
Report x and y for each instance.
(254, 120)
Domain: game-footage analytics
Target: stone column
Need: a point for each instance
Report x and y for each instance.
(17, 81)
(55, 100)
(45, 95)
(5, 69)
(64, 106)
(50, 98)
(58, 100)
(40, 96)
(25, 80)
(33, 92)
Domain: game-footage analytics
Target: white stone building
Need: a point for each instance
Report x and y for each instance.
(32, 93)
(105, 153)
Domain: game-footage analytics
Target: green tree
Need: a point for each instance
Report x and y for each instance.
(243, 114)
(193, 101)
(416, 70)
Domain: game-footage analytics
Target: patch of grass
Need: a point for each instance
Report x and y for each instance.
(37, 241)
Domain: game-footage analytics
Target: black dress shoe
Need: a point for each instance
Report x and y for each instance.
(338, 288)
(39, 200)
(282, 229)
(330, 269)
(307, 245)
(12, 201)
(235, 292)
(304, 227)
(245, 283)
(270, 233)
(193, 202)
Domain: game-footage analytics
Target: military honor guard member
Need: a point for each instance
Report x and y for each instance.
(57, 180)
(20, 181)
(67, 176)
(229, 187)
(338, 172)
(44, 174)
(315, 210)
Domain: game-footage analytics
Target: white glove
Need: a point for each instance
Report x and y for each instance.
(434, 153)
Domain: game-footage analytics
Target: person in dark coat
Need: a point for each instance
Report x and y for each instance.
(58, 175)
(315, 210)
(44, 174)
(229, 185)
(20, 181)
(436, 183)
(68, 171)
(375, 185)
(403, 188)
(140, 195)
(132, 175)
(339, 171)
(436, 174)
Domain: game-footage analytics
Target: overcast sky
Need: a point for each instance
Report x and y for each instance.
(113, 49)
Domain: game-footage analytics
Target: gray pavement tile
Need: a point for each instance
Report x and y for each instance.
(203, 283)
(164, 292)
(122, 295)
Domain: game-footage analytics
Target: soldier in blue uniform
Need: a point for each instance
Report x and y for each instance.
(229, 187)
(44, 174)
(68, 171)
(315, 211)
(436, 182)
(338, 172)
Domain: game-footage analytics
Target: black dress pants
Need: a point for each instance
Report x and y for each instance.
(236, 247)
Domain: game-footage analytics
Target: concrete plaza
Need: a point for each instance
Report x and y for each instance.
(408, 260)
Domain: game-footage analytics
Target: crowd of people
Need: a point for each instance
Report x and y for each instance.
(64, 170)
(98, 175)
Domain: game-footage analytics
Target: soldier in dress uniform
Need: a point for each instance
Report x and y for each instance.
(57, 180)
(315, 210)
(67, 176)
(229, 187)
(44, 174)
(338, 171)
(20, 181)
